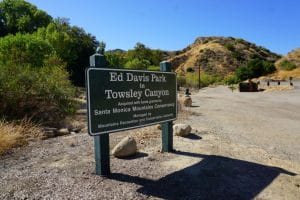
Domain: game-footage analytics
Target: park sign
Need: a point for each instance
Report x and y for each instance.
(126, 99)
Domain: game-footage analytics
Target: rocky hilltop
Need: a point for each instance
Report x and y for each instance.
(219, 55)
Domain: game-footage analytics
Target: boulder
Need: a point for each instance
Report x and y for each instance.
(182, 129)
(186, 101)
(126, 147)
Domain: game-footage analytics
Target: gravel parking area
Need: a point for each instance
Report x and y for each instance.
(242, 146)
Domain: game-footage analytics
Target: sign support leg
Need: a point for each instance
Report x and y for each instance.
(166, 127)
(167, 137)
(101, 143)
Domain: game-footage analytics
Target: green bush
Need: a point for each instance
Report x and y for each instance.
(137, 64)
(153, 68)
(190, 70)
(254, 68)
(43, 94)
(24, 49)
(192, 79)
(115, 60)
(229, 47)
(207, 79)
(268, 67)
(243, 73)
(181, 80)
(231, 79)
(72, 44)
(287, 65)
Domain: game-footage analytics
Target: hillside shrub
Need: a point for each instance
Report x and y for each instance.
(190, 70)
(43, 94)
(268, 67)
(287, 65)
(192, 79)
(230, 79)
(229, 47)
(254, 68)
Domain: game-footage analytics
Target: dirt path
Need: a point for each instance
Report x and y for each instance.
(224, 158)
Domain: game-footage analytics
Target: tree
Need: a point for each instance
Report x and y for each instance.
(243, 73)
(101, 47)
(255, 68)
(142, 53)
(21, 16)
(137, 64)
(3, 27)
(115, 60)
(72, 44)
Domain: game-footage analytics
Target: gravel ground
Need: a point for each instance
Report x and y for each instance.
(269, 120)
(242, 146)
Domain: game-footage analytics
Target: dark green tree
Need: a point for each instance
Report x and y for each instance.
(21, 16)
(141, 53)
(255, 68)
(72, 44)
(243, 73)
(115, 60)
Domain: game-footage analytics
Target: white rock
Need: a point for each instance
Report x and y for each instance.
(182, 129)
(127, 147)
(81, 111)
(63, 131)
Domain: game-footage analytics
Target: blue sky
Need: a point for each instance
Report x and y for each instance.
(174, 24)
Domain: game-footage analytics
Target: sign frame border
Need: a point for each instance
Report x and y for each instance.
(129, 128)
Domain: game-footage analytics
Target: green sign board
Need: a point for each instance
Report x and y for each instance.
(126, 99)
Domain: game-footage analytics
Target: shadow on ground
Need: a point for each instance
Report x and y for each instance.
(193, 136)
(214, 177)
(137, 155)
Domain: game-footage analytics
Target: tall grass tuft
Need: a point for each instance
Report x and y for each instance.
(16, 134)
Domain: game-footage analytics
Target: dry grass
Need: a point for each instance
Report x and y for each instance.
(283, 74)
(16, 134)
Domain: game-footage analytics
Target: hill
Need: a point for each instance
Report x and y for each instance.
(288, 66)
(219, 55)
(293, 56)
